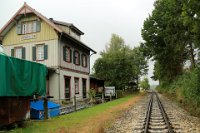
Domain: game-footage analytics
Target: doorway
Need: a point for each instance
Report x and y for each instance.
(67, 88)
(84, 87)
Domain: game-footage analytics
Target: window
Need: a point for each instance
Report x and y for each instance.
(40, 52)
(67, 54)
(18, 52)
(84, 60)
(76, 85)
(28, 27)
(76, 57)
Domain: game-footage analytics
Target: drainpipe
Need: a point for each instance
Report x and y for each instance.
(59, 63)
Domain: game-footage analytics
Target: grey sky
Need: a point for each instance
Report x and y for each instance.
(98, 19)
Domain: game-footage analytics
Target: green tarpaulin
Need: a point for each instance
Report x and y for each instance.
(21, 78)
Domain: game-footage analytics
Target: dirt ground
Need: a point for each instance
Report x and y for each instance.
(98, 123)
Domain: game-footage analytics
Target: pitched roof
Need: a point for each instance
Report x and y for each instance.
(67, 24)
(27, 9)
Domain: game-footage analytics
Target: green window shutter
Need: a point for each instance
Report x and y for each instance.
(12, 52)
(70, 55)
(64, 53)
(82, 55)
(74, 57)
(23, 53)
(86, 61)
(19, 29)
(79, 59)
(45, 52)
(34, 53)
(38, 26)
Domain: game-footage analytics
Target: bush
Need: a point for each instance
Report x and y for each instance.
(186, 89)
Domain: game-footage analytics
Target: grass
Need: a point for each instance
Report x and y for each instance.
(68, 121)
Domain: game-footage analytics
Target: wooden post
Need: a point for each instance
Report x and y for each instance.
(110, 96)
(102, 100)
(116, 94)
(45, 108)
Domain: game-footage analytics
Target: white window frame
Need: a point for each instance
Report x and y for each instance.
(18, 52)
(40, 52)
(29, 27)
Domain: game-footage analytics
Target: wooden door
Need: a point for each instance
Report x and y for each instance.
(84, 87)
(67, 87)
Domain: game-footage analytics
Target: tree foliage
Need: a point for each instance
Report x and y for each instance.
(144, 84)
(169, 37)
(119, 64)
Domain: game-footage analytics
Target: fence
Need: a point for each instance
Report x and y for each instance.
(75, 103)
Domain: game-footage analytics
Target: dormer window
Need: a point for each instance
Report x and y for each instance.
(28, 27)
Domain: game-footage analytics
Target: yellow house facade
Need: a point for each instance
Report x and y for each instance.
(31, 36)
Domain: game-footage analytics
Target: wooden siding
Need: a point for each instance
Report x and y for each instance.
(46, 33)
(52, 60)
(69, 31)
(72, 66)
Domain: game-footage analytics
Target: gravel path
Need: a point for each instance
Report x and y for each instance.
(180, 119)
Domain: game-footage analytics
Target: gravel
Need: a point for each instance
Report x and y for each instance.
(131, 119)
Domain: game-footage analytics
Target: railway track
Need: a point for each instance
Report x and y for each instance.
(156, 119)
(134, 120)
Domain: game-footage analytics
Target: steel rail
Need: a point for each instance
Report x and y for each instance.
(148, 115)
(164, 114)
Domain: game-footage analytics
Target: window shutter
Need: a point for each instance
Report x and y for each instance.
(86, 58)
(82, 55)
(64, 53)
(19, 28)
(23, 53)
(38, 26)
(74, 57)
(34, 53)
(79, 59)
(12, 52)
(70, 55)
(45, 52)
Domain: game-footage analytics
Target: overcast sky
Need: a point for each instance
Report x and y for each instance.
(98, 19)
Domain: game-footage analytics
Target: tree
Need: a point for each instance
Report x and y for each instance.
(144, 84)
(166, 39)
(119, 64)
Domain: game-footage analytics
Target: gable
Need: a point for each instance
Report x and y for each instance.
(49, 30)
(46, 32)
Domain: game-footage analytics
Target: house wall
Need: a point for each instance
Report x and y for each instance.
(73, 75)
(46, 33)
(52, 60)
(54, 85)
(48, 36)
(72, 66)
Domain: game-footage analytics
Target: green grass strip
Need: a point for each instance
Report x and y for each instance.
(69, 120)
